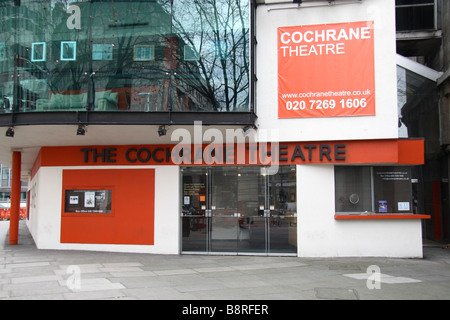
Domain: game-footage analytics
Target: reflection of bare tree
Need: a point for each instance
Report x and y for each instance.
(127, 25)
(217, 30)
(199, 60)
(64, 75)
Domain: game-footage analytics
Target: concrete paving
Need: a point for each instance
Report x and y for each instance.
(32, 274)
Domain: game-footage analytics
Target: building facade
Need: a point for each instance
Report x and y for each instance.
(225, 127)
(422, 36)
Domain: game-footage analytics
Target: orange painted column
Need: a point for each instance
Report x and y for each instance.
(15, 198)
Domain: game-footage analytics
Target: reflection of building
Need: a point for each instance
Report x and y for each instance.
(422, 36)
(205, 138)
(126, 56)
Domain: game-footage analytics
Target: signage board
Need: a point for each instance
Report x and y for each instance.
(326, 70)
(88, 201)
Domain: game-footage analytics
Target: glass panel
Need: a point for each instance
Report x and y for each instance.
(5, 196)
(392, 190)
(283, 211)
(353, 189)
(389, 188)
(251, 197)
(195, 224)
(415, 95)
(415, 15)
(128, 55)
(213, 54)
(51, 57)
(5, 179)
(7, 28)
(131, 54)
(224, 206)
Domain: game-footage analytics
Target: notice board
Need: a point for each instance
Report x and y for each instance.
(326, 70)
(88, 201)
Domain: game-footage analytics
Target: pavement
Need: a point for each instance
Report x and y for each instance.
(27, 273)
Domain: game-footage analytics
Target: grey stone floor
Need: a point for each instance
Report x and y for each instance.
(32, 274)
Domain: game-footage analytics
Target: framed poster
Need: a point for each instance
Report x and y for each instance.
(38, 51)
(326, 70)
(144, 52)
(68, 50)
(88, 201)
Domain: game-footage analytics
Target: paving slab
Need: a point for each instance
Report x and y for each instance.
(336, 294)
(29, 273)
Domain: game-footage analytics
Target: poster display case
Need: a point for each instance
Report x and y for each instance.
(88, 201)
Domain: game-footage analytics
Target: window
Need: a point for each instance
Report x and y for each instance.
(373, 190)
(38, 51)
(415, 14)
(102, 52)
(5, 196)
(5, 181)
(144, 53)
(68, 50)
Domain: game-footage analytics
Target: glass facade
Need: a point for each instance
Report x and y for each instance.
(126, 55)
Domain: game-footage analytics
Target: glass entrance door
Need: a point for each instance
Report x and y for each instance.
(210, 215)
(224, 211)
(252, 197)
(268, 206)
(195, 215)
(282, 211)
(239, 210)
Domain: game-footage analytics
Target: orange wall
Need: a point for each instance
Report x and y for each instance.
(132, 218)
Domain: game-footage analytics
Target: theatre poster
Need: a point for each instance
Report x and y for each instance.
(326, 70)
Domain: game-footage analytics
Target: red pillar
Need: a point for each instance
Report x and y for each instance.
(15, 198)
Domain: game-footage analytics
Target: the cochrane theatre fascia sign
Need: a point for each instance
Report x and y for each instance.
(392, 151)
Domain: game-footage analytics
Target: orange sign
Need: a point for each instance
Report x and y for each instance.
(398, 151)
(326, 70)
(132, 207)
